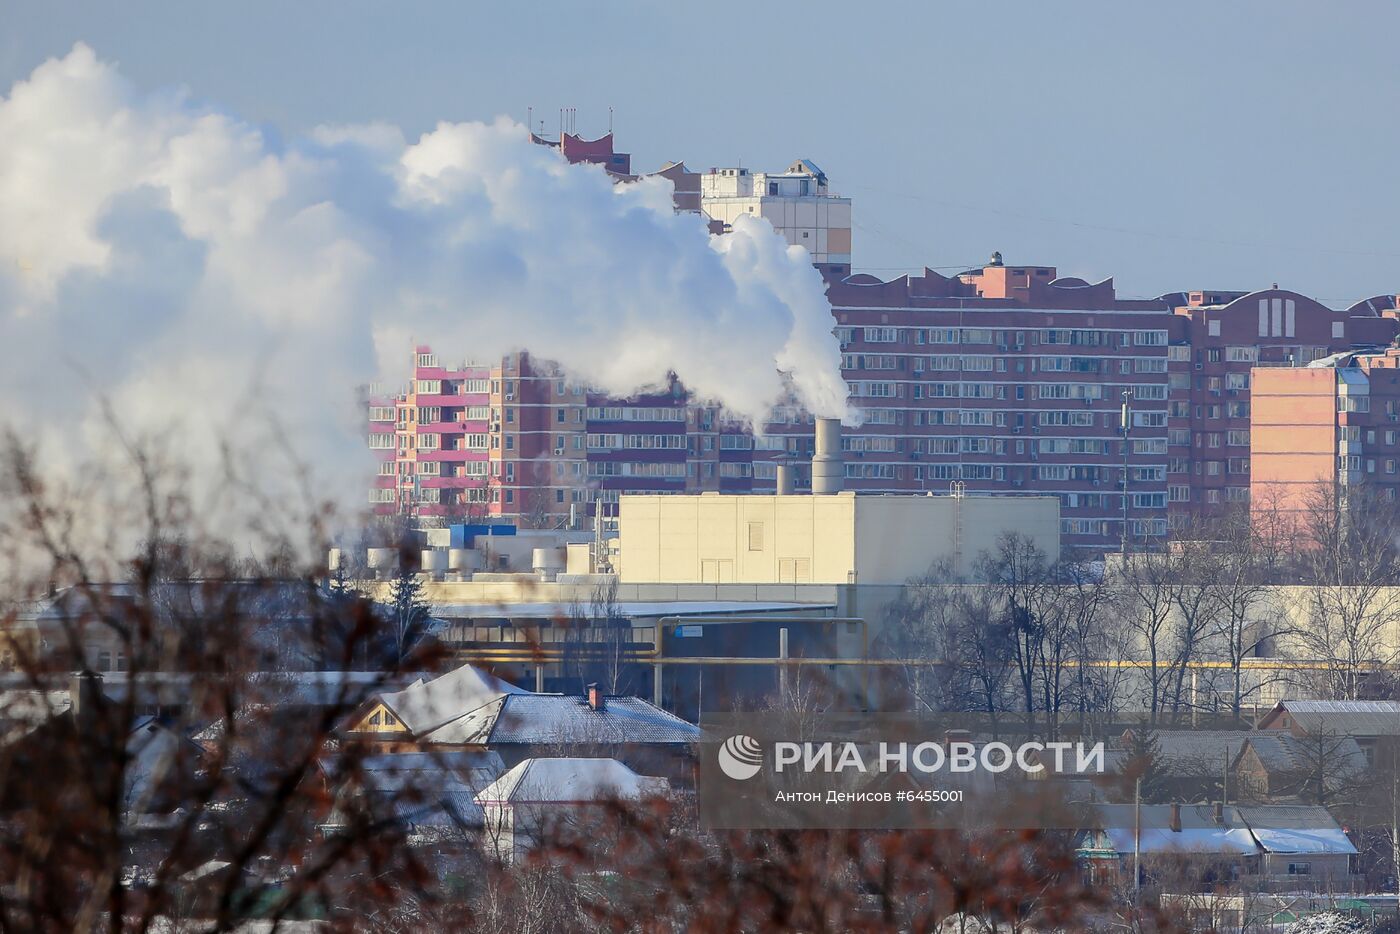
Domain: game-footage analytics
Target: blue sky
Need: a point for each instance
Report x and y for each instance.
(1171, 145)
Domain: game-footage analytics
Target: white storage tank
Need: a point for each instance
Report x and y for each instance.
(383, 562)
(463, 560)
(434, 562)
(548, 562)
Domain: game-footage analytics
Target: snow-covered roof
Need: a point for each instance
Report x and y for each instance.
(566, 718)
(1296, 829)
(566, 780)
(24, 710)
(1199, 831)
(426, 705)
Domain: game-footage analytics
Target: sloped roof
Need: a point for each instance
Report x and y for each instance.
(565, 780)
(1358, 718)
(430, 793)
(1193, 750)
(426, 705)
(1279, 751)
(472, 727)
(1199, 831)
(565, 718)
(1296, 829)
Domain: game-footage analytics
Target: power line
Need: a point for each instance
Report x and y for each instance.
(1107, 228)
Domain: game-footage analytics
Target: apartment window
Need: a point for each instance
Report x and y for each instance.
(427, 359)
(1179, 494)
(428, 387)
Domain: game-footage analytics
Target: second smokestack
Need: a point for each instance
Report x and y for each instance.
(828, 468)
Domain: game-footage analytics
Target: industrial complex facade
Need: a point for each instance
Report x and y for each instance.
(1007, 379)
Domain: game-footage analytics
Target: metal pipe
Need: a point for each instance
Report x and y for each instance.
(828, 468)
(785, 485)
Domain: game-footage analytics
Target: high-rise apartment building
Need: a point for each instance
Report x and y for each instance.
(1218, 340)
(1006, 378)
(798, 203)
(1335, 421)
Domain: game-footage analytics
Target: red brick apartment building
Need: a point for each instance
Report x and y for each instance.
(1005, 378)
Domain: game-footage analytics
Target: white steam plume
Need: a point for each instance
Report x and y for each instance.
(179, 262)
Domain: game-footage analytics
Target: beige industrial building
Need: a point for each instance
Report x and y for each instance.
(841, 538)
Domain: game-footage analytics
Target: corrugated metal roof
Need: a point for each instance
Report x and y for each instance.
(1188, 749)
(1279, 751)
(1358, 718)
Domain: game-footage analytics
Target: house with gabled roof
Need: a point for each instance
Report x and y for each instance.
(470, 709)
(1369, 722)
(567, 796)
(1277, 764)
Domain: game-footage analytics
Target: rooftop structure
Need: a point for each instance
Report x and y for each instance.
(798, 202)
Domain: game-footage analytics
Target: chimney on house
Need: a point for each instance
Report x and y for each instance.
(1220, 813)
(84, 693)
(595, 697)
(828, 469)
(1176, 817)
(952, 736)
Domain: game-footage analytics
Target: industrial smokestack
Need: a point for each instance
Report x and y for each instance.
(785, 479)
(828, 469)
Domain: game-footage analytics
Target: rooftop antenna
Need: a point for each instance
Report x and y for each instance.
(530, 119)
(610, 120)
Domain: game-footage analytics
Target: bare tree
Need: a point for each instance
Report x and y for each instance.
(1241, 604)
(1353, 568)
